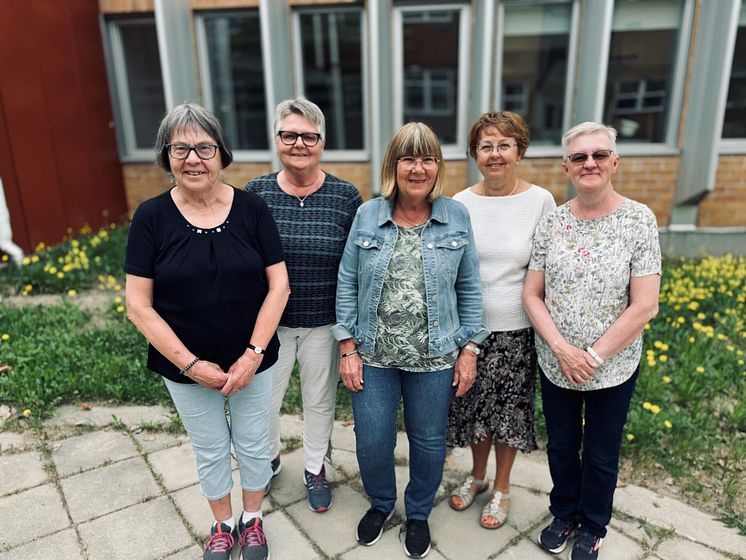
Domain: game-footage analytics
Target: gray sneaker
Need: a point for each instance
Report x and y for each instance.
(220, 543)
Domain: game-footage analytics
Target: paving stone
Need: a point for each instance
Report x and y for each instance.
(634, 529)
(176, 465)
(289, 486)
(80, 453)
(526, 550)
(346, 463)
(21, 471)
(343, 437)
(285, 540)
(12, 441)
(100, 416)
(21, 513)
(60, 546)
(152, 441)
(190, 553)
(459, 535)
(349, 507)
(291, 427)
(688, 522)
(108, 488)
(153, 530)
(676, 549)
(389, 547)
(617, 546)
(532, 471)
(402, 479)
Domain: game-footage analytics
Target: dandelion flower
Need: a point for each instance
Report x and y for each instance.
(700, 369)
(692, 340)
(667, 424)
(655, 409)
(646, 405)
(647, 326)
(117, 299)
(27, 412)
(34, 258)
(118, 288)
(740, 362)
(666, 379)
(120, 309)
(60, 275)
(5, 337)
(630, 437)
(663, 358)
(5, 258)
(72, 293)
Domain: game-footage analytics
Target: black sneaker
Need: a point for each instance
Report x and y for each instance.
(252, 541)
(416, 538)
(370, 528)
(276, 466)
(553, 537)
(220, 543)
(319, 493)
(586, 546)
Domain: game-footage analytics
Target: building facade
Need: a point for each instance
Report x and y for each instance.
(670, 75)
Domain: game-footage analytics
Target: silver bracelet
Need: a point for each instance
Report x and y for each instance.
(187, 367)
(350, 353)
(599, 360)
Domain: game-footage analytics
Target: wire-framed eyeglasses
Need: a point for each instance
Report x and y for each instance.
(579, 158)
(502, 148)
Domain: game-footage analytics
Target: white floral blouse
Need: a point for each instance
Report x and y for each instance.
(587, 266)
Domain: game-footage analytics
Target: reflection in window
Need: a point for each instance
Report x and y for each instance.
(236, 77)
(535, 53)
(332, 73)
(641, 65)
(141, 87)
(734, 125)
(431, 75)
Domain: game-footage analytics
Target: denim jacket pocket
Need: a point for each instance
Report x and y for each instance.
(369, 249)
(450, 249)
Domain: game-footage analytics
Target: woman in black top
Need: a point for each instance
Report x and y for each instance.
(206, 285)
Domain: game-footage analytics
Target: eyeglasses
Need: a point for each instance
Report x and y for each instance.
(410, 162)
(181, 151)
(487, 149)
(309, 139)
(579, 158)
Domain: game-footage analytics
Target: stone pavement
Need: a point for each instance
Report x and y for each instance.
(100, 485)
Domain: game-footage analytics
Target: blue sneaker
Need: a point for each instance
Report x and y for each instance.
(319, 493)
(220, 543)
(553, 537)
(252, 540)
(276, 466)
(586, 546)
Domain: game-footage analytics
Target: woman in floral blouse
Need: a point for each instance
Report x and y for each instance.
(591, 287)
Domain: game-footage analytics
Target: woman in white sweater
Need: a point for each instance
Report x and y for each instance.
(498, 412)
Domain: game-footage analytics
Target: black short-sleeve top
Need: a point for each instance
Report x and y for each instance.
(208, 284)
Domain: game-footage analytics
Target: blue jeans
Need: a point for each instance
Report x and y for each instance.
(202, 411)
(584, 486)
(427, 397)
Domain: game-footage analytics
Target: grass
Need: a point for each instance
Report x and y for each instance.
(687, 421)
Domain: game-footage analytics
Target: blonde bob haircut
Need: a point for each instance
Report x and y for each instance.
(412, 139)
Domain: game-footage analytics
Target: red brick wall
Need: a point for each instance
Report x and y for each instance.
(726, 205)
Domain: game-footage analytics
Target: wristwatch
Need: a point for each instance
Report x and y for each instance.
(473, 348)
(256, 349)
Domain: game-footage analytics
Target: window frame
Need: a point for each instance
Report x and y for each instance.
(542, 151)
(455, 151)
(732, 146)
(330, 155)
(122, 104)
(239, 155)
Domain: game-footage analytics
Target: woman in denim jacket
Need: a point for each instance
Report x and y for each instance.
(409, 314)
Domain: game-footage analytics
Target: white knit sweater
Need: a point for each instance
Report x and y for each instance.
(503, 231)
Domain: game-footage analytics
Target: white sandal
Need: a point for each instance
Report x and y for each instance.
(465, 494)
(493, 510)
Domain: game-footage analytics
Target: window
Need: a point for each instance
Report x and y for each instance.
(642, 68)
(431, 50)
(535, 70)
(233, 76)
(331, 72)
(138, 84)
(734, 125)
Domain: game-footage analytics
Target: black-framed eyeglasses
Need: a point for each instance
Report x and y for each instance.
(579, 158)
(181, 151)
(309, 139)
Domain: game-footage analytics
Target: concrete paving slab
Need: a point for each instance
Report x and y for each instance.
(458, 534)
(346, 463)
(80, 453)
(635, 529)
(289, 487)
(100, 416)
(151, 441)
(532, 471)
(526, 550)
(402, 479)
(176, 465)
(617, 546)
(388, 548)
(676, 549)
(101, 491)
(349, 507)
(191, 553)
(285, 540)
(21, 471)
(147, 531)
(21, 515)
(343, 437)
(60, 546)
(291, 427)
(12, 442)
(686, 520)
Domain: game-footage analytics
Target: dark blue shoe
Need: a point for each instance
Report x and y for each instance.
(553, 537)
(319, 493)
(220, 543)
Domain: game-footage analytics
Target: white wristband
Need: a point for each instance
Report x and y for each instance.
(599, 360)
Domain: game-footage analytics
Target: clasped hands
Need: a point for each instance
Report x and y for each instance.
(239, 375)
(577, 365)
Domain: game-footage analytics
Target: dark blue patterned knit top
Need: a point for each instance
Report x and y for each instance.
(313, 238)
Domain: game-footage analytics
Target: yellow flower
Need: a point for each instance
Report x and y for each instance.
(647, 326)
(5, 258)
(5, 337)
(72, 293)
(658, 344)
(680, 320)
(666, 379)
(118, 288)
(120, 309)
(34, 258)
(25, 261)
(693, 305)
(27, 412)
(721, 336)
(646, 405)
(700, 369)
(117, 299)
(740, 362)
(52, 270)
(60, 275)
(701, 316)
(692, 340)
(655, 409)
(667, 424)
(630, 437)
(663, 358)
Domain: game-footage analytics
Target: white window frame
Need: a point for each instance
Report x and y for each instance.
(129, 152)
(336, 155)
(455, 151)
(542, 151)
(240, 156)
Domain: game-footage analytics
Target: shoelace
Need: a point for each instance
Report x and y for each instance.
(219, 542)
(253, 535)
(560, 527)
(317, 481)
(587, 542)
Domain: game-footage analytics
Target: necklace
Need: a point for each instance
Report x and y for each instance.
(410, 222)
(515, 187)
(302, 200)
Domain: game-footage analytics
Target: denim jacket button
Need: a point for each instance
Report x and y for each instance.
(434, 272)
(366, 243)
(454, 243)
(435, 298)
(429, 245)
(435, 323)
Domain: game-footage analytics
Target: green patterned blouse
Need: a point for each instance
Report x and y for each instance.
(402, 335)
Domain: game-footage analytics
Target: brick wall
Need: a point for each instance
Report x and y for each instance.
(726, 205)
(125, 6)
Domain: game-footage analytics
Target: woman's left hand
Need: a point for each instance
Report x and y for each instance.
(465, 372)
(241, 373)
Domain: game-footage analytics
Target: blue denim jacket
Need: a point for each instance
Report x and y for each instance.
(452, 286)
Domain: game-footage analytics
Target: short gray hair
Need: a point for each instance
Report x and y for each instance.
(588, 127)
(303, 107)
(186, 116)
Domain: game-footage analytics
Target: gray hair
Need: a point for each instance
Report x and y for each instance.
(186, 116)
(588, 127)
(303, 107)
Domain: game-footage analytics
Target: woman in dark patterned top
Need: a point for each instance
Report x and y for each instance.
(313, 211)
(206, 285)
